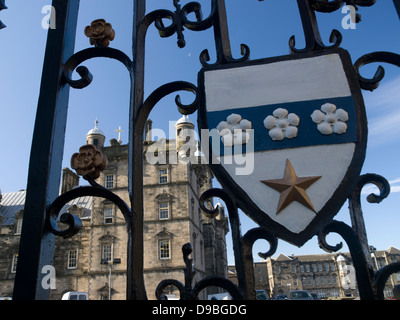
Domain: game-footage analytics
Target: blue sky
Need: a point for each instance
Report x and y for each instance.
(264, 26)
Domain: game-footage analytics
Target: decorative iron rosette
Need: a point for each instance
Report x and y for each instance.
(90, 161)
(100, 33)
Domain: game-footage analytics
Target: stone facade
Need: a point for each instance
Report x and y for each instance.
(327, 275)
(96, 256)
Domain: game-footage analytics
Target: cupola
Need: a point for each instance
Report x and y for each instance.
(95, 136)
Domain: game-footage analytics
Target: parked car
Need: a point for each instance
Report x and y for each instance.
(75, 295)
(315, 296)
(262, 295)
(300, 295)
(281, 297)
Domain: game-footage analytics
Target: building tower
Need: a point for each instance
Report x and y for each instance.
(185, 142)
(95, 136)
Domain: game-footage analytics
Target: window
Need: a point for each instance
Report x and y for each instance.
(308, 268)
(314, 267)
(109, 184)
(106, 252)
(163, 210)
(72, 259)
(163, 176)
(14, 263)
(108, 215)
(387, 292)
(164, 249)
(335, 293)
(18, 226)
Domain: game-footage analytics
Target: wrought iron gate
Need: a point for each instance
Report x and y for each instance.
(43, 202)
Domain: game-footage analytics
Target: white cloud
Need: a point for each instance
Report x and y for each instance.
(383, 109)
(394, 187)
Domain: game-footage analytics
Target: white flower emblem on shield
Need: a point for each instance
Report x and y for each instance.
(233, 131)
(330, 120)
(282, 125)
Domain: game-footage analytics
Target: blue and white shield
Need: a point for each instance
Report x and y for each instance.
(286, 137)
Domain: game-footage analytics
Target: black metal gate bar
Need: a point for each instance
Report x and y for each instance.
(2, 7)
(135, 165)
(356, 213)
(37, 243)
(397, 5)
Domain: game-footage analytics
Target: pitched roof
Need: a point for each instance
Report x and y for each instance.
(390, 250)
(13, 202)
(393, 250)
(283, 257)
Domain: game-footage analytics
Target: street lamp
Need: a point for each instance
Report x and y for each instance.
(111, 264)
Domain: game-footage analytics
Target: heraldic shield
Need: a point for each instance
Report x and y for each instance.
(286, 137)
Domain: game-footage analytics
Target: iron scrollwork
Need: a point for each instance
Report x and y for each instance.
(187, 291)
(313, 38)
(242, 246)
(363, 273)
(2, 7)
(379, 56)
(311, 30)
(370, 284)
(216, 19)
(242, 250)
(74, 223)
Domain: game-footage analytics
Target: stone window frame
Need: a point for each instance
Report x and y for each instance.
(18, 222)
(105, 241)
(162, 236)
(164, 198)
(163, 208)
(105, 218)
(14, 263)
(75, 265)
(163, 178)
(109, 252)
(162, 242)
(106, 182)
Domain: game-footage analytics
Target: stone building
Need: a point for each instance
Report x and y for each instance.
(94, 260)
(327, 275)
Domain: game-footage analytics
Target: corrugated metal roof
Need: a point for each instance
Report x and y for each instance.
(84, 202)
(10, 204)
(14, 202)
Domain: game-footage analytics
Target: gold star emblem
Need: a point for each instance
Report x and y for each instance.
(292, 188)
